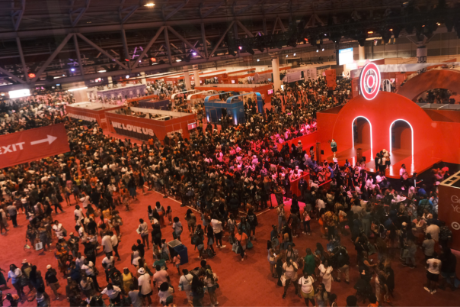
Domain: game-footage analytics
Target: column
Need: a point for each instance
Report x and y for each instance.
(188, 84)
(143, 81)
(109, 78)
(196, 76)
(421, 53)
(276, 73)
(362, 53)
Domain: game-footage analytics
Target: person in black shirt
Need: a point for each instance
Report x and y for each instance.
(140, 248)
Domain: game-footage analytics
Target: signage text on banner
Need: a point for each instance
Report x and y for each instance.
(33, 144)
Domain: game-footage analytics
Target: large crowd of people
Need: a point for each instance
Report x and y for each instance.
(224, 175)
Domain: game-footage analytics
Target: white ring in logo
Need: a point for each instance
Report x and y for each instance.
(455, 225)
(369, 81)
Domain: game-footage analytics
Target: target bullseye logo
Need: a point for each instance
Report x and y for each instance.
(369, 81)
(455, 226)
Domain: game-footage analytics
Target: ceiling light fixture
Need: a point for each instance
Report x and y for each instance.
(150, 4)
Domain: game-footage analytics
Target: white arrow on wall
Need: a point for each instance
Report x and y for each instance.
(50, 139)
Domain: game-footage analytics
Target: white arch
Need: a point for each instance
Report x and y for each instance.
(353, 135)
(412, 140)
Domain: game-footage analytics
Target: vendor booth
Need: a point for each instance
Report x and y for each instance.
(123, 92)
(233, 106)
(145, 124)
(89, 112)
(265, 90)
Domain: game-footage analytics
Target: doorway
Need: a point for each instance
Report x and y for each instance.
(401, 138)
(362, 133)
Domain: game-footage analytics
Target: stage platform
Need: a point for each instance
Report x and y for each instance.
(417, 163)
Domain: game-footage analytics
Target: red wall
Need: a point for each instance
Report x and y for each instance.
(448, 79)
(99, 115)
(432, 139)
(160, 128)
(449, 211)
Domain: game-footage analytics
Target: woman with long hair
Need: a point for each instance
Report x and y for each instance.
(325, 271)
(197, 291)
(210, 281)
(321, 296)
(290, 274)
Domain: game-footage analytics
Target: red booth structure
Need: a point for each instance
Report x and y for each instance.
(449, 207)
(414, 136)
(144, 128)
(89, 112)
(432, 79)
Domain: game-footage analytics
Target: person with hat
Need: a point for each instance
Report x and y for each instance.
(145, 289)
(51, 280)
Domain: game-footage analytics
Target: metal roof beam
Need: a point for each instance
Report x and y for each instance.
(89, 42)
(185, 41)
(16, 15)
(81, 11)
(211, 10)
(147, 48)
(51, 58)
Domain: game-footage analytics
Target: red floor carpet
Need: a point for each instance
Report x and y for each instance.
(247, 283)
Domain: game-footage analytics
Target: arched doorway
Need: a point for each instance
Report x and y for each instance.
(402, 143)
(362, 138)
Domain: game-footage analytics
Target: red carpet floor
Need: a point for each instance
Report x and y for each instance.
(247, 283)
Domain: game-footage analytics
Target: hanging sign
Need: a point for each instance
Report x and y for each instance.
(369, 81)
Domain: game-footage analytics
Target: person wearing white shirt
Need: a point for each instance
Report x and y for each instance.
(306, 290)
(113, 292)
(433, 230)
(108, 262)
(85, 200)
(114, 240)
(320, 204)
(217, 229)
(433, 267)
(106, 243)
(145, 288)
(185, 284)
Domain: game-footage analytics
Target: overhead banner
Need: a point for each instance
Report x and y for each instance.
(33, 144)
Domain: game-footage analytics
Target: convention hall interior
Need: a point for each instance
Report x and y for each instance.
(229, 153)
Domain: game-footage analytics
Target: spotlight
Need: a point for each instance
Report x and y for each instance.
(287, 55)
(370, 32)
(322, 49)
(258, 60)
(294, 54)
(240, 47)
(194, 53)
(150, 4)
(72, 69)
(317, 50)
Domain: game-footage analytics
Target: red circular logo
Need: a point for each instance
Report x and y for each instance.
(369, 81)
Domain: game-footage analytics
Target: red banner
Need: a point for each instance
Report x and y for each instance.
(331, 78)
(449, 208)
(33, 144)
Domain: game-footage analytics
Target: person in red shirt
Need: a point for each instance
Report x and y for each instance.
(242, 239)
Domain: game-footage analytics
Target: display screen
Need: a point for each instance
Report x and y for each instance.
(191, 126)
(270, 92)
(345, 56)
(19, 93)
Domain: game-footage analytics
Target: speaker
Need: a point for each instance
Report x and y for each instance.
(322, 152)
(364, 159)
